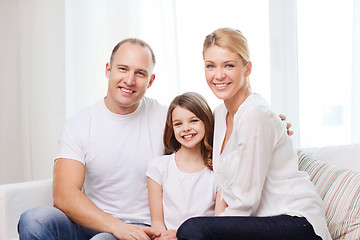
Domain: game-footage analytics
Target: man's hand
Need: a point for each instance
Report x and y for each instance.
(288, 125)
(135, 232)
(167, 235)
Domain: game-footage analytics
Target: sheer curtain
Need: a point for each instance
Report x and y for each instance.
(54, 55)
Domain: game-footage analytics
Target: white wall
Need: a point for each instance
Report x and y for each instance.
(32, 87)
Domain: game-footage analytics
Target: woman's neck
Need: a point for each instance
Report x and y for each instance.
(232, 104)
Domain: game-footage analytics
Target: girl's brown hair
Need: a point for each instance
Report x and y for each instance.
(196, 104)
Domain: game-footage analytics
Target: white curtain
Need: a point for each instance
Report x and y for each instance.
(32, 83)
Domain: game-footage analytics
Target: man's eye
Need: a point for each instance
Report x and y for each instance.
(141, 74)
(122, 69)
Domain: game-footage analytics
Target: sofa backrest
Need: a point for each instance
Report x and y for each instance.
(345, 156)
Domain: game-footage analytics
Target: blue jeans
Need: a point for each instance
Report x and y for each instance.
(48, 223)
(247, 228)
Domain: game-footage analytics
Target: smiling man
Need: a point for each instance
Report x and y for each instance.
(100, 185)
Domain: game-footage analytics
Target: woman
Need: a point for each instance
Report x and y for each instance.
(264, 196)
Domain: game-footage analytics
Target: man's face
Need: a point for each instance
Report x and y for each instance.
(130, 74)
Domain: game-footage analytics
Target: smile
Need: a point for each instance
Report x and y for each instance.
(221, 85)
(126, 90)
(188, 136)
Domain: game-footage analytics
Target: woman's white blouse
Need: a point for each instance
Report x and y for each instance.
(258, 168)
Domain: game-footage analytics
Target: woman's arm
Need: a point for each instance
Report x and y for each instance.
(156, 205)
(220, 204)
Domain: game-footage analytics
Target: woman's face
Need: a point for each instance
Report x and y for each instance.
(225, 72)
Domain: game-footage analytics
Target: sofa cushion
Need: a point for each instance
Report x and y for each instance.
(340, 190)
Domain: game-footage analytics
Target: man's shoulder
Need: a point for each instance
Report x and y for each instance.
(85, 114)
(153, 103)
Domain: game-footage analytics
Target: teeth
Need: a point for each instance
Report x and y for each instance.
(126, 90)
(187, 136)
(221, 84)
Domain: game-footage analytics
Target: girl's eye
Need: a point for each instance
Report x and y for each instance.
(177, 124)
(195, 120)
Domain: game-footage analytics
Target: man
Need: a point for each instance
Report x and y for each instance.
(105, 150)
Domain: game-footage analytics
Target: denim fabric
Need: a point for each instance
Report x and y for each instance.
(48, 223)
(248, 228)
(109, 236)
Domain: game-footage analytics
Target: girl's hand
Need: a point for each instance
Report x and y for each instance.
(168, 235)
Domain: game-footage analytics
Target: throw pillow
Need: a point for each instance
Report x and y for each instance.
(340, 190)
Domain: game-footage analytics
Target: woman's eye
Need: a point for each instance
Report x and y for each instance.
(210, 66)
(229, 66)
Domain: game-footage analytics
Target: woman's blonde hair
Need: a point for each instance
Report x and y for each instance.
(196, 104)
(231, 39)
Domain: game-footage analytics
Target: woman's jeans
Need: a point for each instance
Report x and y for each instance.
(48, 223)
(248, 228)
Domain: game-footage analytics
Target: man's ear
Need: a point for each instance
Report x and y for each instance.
(107, 69)
(152, 79)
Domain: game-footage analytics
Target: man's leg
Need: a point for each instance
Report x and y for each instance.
(109, 236)
(48, 223)
(248, 228)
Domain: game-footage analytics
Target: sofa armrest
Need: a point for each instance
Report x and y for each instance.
(16, 198)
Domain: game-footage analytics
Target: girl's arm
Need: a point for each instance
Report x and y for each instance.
(220, 204)
(156, 205)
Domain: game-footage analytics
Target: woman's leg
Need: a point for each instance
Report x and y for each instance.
(248, 228)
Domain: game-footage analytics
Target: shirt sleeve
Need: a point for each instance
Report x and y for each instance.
(72, 141)
(247, 166)
(154, 171)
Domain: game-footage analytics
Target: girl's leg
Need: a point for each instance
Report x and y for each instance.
(248, 228)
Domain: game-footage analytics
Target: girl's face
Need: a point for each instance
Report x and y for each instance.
(189, 130)
(225, 72)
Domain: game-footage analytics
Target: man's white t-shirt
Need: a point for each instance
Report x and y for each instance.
(116, 150)
(185, 195)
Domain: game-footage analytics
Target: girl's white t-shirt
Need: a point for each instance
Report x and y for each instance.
(185, 195)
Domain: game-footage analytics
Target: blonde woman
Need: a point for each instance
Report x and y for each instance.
(264, 196)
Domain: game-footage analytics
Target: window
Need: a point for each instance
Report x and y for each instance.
(325, 65)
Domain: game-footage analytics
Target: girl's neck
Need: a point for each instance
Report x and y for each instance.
(189, 160)
(232, 104)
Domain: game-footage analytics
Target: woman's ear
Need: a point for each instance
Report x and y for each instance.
(248, 68)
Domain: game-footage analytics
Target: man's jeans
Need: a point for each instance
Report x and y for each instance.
(48, 223)
(247, 228)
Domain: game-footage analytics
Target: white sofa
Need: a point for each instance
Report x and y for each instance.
(327, 167)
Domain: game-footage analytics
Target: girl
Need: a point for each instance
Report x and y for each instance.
(264, 195)
(182, 184)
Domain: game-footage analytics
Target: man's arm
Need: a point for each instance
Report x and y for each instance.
(69, 176)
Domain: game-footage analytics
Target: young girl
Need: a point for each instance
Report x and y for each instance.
(264, 194)
(182, 184)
